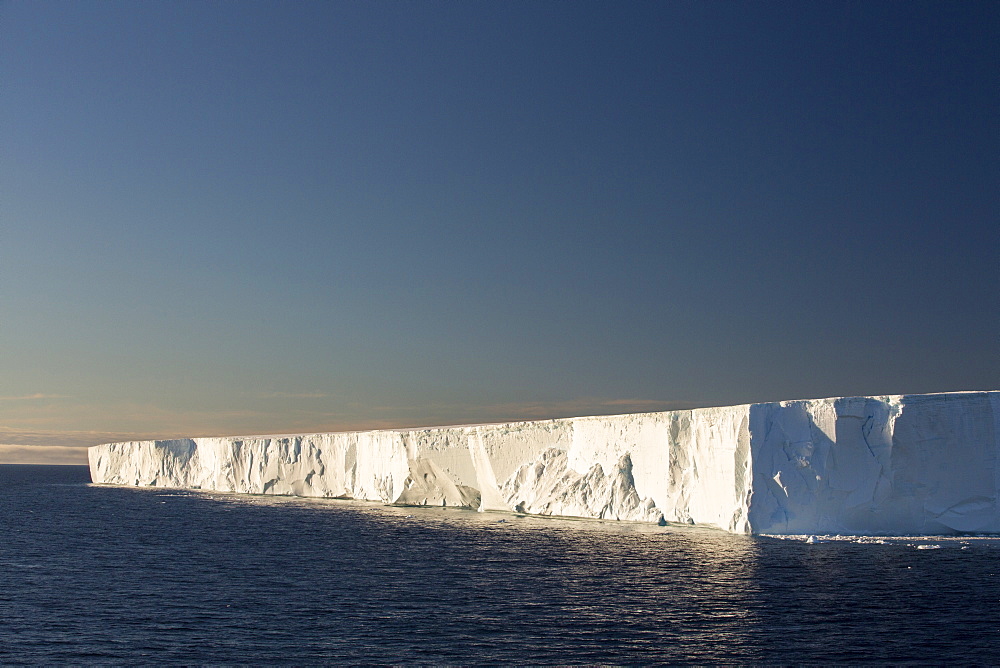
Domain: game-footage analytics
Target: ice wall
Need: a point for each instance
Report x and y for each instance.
(911, 464)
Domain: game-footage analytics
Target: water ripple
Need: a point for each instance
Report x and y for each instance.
(114, 576)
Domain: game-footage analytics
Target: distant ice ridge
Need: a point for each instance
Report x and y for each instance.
(899, 465)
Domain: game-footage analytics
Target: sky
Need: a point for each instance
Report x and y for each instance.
(287, 217)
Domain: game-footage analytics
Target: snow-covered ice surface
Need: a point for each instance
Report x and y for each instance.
(890, 465)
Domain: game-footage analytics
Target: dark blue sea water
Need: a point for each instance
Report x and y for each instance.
(109, 575)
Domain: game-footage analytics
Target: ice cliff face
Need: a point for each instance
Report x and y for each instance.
(911, 464)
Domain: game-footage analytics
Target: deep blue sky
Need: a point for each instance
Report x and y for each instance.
(222, 217)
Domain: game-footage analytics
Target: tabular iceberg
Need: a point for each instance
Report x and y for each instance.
(904, 464)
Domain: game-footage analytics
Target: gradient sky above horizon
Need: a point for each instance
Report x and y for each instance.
(275, 217)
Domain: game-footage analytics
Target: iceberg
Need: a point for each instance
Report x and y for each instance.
(923, 464)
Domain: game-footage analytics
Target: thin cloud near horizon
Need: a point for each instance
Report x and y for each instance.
(34, 397)
(42, 454)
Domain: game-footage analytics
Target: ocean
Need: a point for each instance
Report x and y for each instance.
(111, 575)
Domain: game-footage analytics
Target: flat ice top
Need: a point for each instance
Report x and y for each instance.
(495, 423)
